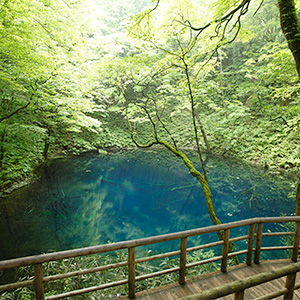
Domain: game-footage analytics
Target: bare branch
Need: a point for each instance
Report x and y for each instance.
(162, 123)
(244, 3)
(260, 5)
(283, 119)
(15, 112)
(156, 6)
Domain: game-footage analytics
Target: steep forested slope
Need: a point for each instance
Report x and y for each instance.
(71, 79)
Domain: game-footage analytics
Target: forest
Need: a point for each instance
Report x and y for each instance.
(216, 76)
(197, 78)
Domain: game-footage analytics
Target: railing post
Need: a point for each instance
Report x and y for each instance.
(131, 273)
(296, 242)
(290, 285)
(183, 245)
(38, 282)
(258, 239)
(250, 244)
(225, 251)
(239, 295)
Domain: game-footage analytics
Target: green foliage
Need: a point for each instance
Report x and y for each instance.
(110, 275)
(287, 240)
(45, 81)
(70, 74)
(249, 111)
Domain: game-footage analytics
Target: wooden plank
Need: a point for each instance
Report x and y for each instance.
(209, 245)
(217, 279)
(296, 242)
(183, 245)
(258, 242)
(38, 282)
(240, 285)
(158, 256)
(239, 295)
(225, 251)
(277, 233)
(131, 273)
(37, 260)
(85, 271)
(155, 274)
(251, 231)
(15, 285)
(290, 285)
(87, 290)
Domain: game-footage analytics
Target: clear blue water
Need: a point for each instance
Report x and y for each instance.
(90, 200)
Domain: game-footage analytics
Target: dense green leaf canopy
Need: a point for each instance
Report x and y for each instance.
(74, 73)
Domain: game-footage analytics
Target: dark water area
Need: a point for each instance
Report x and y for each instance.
(90, 200)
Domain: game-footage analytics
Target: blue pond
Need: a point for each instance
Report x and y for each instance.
(90, 200)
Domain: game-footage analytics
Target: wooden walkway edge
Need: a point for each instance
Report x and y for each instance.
(253, 245)
(176, 291)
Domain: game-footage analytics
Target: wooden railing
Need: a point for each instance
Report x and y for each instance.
(255, 234)
(239, 287)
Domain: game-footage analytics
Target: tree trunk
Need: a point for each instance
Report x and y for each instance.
(46, 149)
(2, 141)
(194, 172)
(291, 28)
(47, 144)
(202, 131)
(203, 182)
(222, 87)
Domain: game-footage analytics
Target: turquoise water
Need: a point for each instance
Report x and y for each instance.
(90, 200)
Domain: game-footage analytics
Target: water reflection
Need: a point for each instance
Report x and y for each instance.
(86, 201)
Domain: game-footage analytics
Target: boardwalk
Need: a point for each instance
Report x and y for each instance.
(176, 291)
(253, 245)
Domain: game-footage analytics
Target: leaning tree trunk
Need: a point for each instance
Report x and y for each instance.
(290, 26)
(203, 182)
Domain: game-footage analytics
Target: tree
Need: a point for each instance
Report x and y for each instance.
(290, 25)
(179, 60)
(44, 81)
(227, 25)
(291, 28)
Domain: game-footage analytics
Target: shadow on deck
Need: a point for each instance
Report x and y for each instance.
(205, 282)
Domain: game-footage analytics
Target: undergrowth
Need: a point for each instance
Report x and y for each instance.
(107, 276)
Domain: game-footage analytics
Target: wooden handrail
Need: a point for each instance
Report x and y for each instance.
(239, 286)
(38, 260)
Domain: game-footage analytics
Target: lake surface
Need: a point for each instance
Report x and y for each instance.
(90, 200)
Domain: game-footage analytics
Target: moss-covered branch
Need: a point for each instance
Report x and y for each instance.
(203, 182)
(142, 145)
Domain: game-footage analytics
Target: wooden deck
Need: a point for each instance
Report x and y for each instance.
(212, 284)
(176, 291)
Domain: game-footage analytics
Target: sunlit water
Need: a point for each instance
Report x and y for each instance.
(90, 200)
